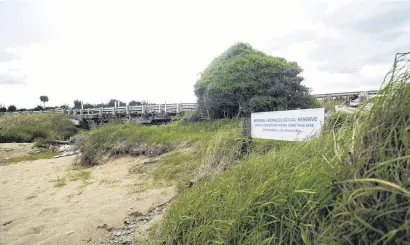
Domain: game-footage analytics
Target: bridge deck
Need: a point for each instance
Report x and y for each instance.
(156, 111)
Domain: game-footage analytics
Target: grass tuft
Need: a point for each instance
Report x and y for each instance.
(84, 174)
(60, 182)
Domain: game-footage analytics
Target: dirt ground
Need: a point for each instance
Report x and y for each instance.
(33, 210)
(10, 150)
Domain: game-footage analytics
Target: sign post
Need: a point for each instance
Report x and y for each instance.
(293, 125)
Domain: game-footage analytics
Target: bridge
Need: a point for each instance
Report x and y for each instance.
(155, 113)
(344, 95)
(143, 114)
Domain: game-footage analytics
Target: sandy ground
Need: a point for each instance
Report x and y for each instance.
(34, 211)
(10, 150)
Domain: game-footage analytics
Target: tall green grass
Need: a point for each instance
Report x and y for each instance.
(373, 201)
(350, 186)
(329, 105)
(29, 128)
(207, 157)
(267, 199)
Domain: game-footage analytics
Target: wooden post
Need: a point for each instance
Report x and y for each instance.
(101, 112)
(159, 109)
(165, 107)
(127, 110)
(178, 108)
(144, 109)
(245, 126)
(88, 111)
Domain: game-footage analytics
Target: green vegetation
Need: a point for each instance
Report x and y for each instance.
(77, 173)
(329, 105)
(129, 138)
(80, 174)
(350, 186)
(60, 182)
(11, 108)
(44, 99)
(188, 166)
(31, 157)
(177, 165)
(244, 80)
(33, 127)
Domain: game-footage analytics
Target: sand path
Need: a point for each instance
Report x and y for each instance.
(34, 211)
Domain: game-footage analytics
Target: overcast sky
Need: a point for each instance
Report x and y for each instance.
(154, 50)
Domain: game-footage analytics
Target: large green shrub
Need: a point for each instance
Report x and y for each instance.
(244, 80)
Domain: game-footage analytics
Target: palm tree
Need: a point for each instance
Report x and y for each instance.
(44, 99)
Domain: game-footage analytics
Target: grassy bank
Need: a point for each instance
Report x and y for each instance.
(29, 128)
(347, 187)
(267, 199)
(129, 138)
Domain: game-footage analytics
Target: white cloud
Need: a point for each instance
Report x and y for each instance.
(153, 50)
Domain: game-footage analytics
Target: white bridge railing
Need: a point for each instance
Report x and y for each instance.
(165, 108)
(344, 94)
(125, 110)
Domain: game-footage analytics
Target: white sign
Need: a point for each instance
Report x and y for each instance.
(294, 125)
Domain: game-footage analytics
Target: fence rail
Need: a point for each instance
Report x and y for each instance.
(344, 94)
(123, 110)
(166, 108)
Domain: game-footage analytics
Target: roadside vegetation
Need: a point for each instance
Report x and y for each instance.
(329, 105)
(350, 186)
(35, 127)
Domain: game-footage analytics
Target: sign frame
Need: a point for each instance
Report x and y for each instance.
(290, 125)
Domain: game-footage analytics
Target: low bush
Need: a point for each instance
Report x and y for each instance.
(29, 128)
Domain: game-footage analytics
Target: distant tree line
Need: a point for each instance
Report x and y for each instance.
(77, 105)
(10, 108)
(13, 108)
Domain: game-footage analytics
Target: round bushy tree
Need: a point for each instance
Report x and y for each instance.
(244, 80)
